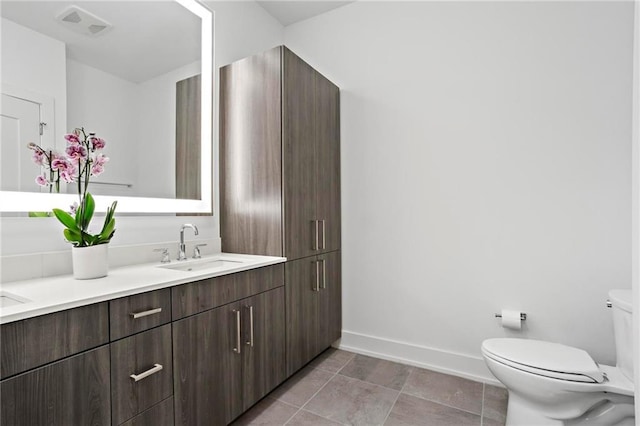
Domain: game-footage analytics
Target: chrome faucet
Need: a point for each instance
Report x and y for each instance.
(182, 255)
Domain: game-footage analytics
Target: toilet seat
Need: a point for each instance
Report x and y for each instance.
(547, 359)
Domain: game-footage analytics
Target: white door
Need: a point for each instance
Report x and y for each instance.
(20, 125)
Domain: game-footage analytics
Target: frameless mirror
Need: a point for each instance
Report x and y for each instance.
(136, 73)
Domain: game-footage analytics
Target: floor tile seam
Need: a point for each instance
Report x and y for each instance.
(482, 406)
(284, 402)
(370, 383)
(291, 418)
(397, 398)
(314, 395)
(440, 403)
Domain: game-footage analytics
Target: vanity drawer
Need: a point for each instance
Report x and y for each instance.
(190, 299)
(141, 372)
(37, 341)
(158, 415)
(140, 312)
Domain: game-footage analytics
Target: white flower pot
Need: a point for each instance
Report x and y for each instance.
(90, 262)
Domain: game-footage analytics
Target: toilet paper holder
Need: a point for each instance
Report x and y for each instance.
(523, 316)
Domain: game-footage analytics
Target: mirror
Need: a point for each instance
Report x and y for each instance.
(130, 71)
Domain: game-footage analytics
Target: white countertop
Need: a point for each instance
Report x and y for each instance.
(53, 294)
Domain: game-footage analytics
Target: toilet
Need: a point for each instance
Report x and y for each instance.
(554, 384)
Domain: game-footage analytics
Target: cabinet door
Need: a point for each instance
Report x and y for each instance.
(302, 294)
(298, 133)
(207, 369)
(251, 155)
(330, 299)
(74, 391)
(327, 123)
(264, 351)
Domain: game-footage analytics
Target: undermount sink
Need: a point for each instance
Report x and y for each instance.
(199, 265)
(8, 299)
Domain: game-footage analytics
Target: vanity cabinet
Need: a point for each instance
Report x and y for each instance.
(73, 391)
(199, 353)
(141, 372)
(228, 358)
(55, 369)
(280, 186)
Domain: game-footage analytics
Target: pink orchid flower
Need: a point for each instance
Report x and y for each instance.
(42, 180)
(72, 138)
(101, 159)
(97, 143)
(76, 152)
(96, 170)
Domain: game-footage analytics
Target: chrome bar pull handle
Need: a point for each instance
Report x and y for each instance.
(324, 240)
(317, 287)
(316, 237)
(250, 341)
(136, 315)
(324, 273)
(152, 370)
(238, 347)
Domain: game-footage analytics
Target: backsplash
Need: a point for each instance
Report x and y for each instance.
(48, 264)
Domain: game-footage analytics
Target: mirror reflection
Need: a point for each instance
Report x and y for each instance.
(125, 70)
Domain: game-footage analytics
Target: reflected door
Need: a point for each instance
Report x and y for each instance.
(20, 125)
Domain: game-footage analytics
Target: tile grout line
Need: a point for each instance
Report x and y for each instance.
(313, 396)
(322, 387)
(443, 404)
(484, 386)
(398, 397)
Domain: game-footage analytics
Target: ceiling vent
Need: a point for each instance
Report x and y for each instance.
(82, 22)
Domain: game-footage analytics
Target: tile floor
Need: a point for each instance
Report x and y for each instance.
(343, 388)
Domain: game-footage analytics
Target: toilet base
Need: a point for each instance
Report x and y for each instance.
(615, 411)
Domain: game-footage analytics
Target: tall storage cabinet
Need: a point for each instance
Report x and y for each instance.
(280, 186)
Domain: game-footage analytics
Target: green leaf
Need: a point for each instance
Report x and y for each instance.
(66, 219)
(39, 214)
(72, 237)
(87, 211)
(107, 230)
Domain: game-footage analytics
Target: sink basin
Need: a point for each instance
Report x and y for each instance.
(199, 265)
(8, 299)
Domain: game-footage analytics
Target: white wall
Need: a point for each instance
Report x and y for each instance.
(635, 253)
(241, 29)
(107, 105)
(485, 165)
(157, 98)
(36, 63)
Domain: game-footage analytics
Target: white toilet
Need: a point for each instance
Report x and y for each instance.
(553, 384)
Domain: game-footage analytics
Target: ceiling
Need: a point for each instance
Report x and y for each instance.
(129, 49)
(292, 11)
(125, 50)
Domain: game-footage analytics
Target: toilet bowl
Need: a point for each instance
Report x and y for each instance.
(554, 384)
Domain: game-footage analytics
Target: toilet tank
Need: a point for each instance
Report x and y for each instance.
(623, 330)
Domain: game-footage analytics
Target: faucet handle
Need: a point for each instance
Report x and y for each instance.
(196, 251)
(165, 254)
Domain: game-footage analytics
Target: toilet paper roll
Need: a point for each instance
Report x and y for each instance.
(511, 319)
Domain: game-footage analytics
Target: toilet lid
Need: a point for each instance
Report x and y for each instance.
(544, 358)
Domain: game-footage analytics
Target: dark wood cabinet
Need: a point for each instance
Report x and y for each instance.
(279, 157)
(227, 358)
(263, 365)
(141, 372)
(74, 391)
(206, 367)
(314, 308)
(32, 342)
(280, 186)
(159, 415)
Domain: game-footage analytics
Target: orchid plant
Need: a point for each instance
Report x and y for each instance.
(82, 159)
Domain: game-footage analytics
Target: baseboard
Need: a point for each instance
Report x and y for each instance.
(447, 362)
